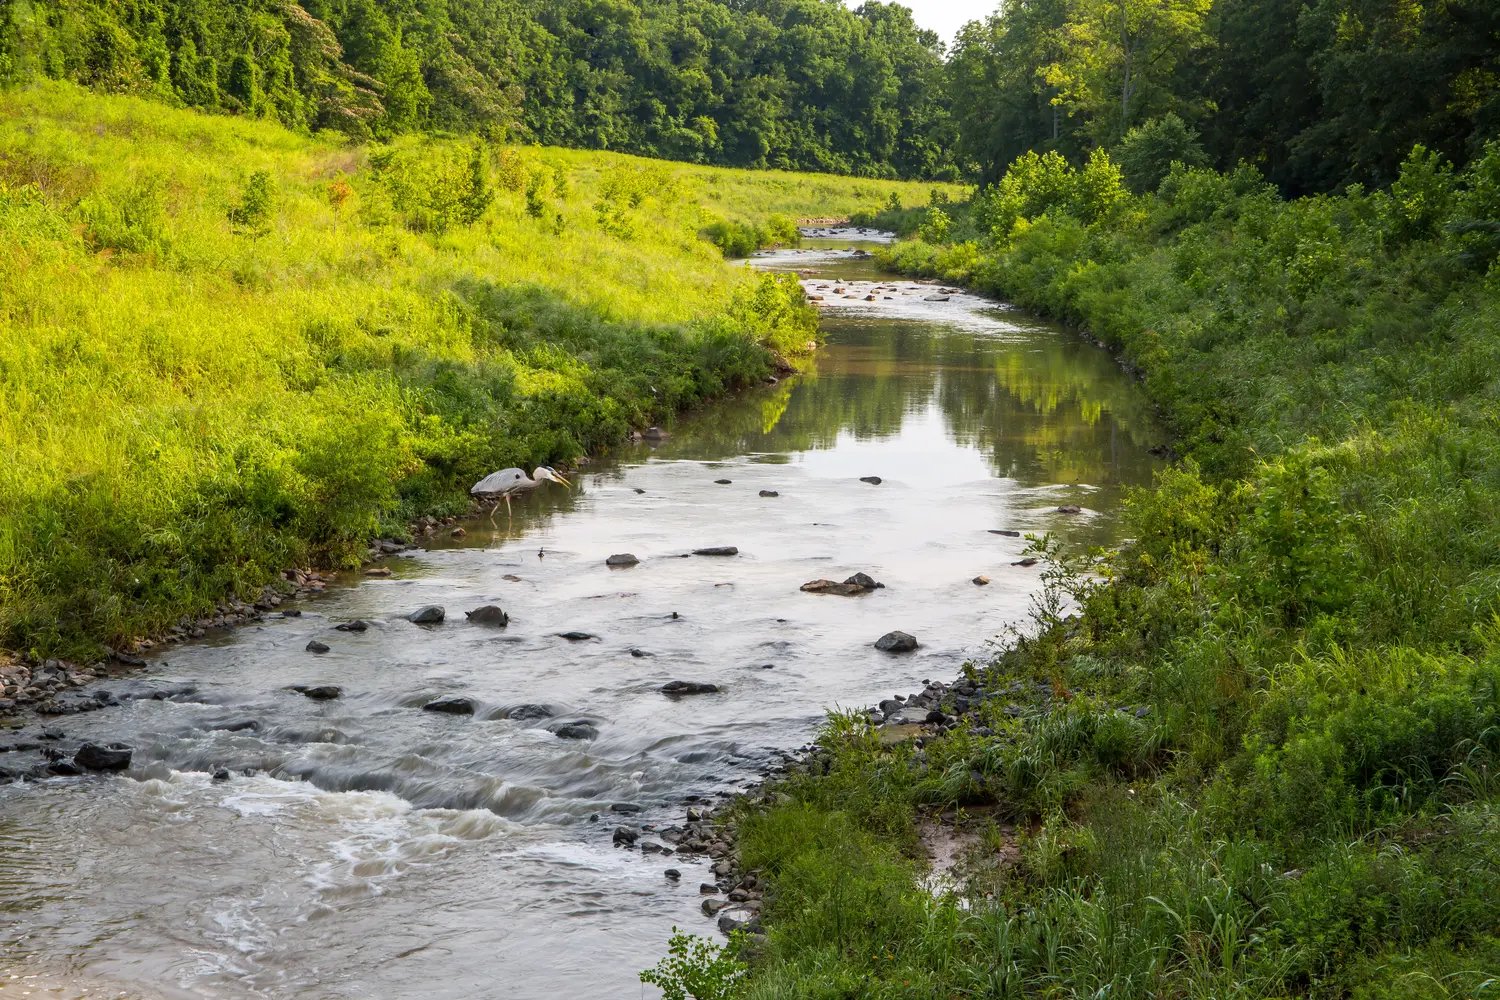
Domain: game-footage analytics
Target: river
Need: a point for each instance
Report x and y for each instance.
(363, 847)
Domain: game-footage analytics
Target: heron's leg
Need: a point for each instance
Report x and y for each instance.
(510, 515)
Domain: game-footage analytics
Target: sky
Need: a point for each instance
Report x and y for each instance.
(945, 16)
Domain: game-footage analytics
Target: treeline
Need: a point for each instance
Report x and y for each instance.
(794, 84)
(1316, 94)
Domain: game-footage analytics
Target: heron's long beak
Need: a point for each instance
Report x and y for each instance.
(562, 479)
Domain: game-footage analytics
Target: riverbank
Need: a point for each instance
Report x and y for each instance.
(1258, 761)
(233, 350)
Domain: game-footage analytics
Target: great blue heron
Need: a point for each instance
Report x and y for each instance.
(509, 483)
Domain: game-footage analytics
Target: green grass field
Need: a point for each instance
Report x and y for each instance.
(226, 348)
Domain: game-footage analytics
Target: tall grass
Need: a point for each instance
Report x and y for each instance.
(225, 348)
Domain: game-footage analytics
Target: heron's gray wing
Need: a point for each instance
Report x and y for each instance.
(498, 482)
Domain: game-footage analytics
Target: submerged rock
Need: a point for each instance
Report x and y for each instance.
(896, 642)
(576, 636)
(677, 689)
(1006, 532)
(769, 493)
(432, 614)
(93, 757)
(1070, 508)
(451, 706)
(1028, 561)
(323, 692)
(527, 713)
(717, 550)
(358, 625)
(491, 615)
(621, 559)
(872, 480)
(723, 482)
(317, 647)
(576, 731)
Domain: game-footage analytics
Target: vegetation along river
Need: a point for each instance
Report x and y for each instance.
(363, 847)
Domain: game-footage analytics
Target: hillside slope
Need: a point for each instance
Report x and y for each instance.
(227, 348)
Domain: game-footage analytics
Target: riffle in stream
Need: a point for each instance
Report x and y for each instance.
(363, 847)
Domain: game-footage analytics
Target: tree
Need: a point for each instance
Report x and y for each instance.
(1118, 56)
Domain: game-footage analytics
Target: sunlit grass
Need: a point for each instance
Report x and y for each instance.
(192, 402)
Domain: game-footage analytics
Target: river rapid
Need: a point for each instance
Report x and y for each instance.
(363, 847)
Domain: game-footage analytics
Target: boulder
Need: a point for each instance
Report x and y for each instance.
(93, 757)
(859, 583)
(528, 713)
(872, 480)
(621, 559)
(323, 692)
(723, 482)
(451, 706)
(678, 689)
(896, 642)
(490, 615)
(624, 836)
(358, 625)
(432, 614)
(1028, 561)
(718, 550)
(317, 647)
(576, 731)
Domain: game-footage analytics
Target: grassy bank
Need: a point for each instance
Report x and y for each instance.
(226, 349)
(1260, 760)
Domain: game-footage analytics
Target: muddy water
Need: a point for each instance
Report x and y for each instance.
(378, 850)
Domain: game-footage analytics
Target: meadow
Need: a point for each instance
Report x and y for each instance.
(1251, 752)
(227, 348)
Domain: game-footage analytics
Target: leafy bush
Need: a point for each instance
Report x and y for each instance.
(1147, 152)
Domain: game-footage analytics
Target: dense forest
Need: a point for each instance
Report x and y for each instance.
(1314, 95)
(795, 84)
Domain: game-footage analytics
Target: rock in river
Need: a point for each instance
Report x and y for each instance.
(317, 647)
(677, 689)
(323, 692)
(358, 625)
(621, 559)
(432, 614)
(488, 615)
(451, 706)
(1070, 508)
(717, 550)
(769, 493)
(872, 480)
(576, 636)
(576, 731)
(981, 581)
(93, 757)
(896, 642)
(859, 583)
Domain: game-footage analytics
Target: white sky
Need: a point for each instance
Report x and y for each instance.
(945, 16)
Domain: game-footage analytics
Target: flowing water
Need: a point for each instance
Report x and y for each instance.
(378, 850)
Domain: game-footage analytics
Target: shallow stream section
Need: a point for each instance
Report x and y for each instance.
(364, 847)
